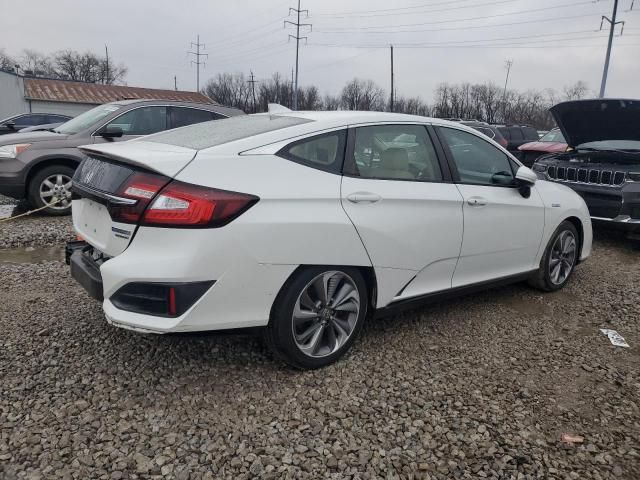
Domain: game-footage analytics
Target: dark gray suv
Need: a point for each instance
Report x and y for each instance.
(39, 166)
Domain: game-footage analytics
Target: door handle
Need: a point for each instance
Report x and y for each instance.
(477, 201)
(363, 197)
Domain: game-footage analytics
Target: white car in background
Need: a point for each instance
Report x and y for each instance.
(306, 223)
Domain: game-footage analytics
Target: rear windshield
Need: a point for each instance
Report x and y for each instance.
(210, 134)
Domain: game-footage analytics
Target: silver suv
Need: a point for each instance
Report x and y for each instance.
(39, 166)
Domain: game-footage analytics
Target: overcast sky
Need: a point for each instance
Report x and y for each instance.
(552, 43)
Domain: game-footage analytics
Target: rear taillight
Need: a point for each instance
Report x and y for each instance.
(192, 206)
(139, 189)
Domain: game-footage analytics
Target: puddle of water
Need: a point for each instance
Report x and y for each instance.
(31, 255)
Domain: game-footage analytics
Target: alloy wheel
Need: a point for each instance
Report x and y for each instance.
(56, 188)
(325, 314)
(563, 257)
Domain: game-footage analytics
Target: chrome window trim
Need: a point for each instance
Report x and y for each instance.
(155, 105)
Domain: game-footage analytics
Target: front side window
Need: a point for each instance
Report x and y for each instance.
(477, 161)
(141, 121)
(324, 152)
(395, 152)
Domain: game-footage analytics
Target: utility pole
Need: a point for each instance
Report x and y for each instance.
(175, 83)
(106, 52)
(612, 27)
(253, 81)
(392, 92)
(297, 38)
(197, 61)
(508, 65)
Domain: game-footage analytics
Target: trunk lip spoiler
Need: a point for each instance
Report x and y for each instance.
(114, 199)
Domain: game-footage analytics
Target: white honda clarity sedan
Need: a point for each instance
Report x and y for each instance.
(309, 223)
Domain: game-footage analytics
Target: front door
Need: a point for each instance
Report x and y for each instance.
(406, 212)
(502, 228)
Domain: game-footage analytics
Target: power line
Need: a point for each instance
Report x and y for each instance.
(297, 37)
(373, 15)
(463, 42)
(467, 27)
(197, 61)
(483, 17)
(360, 12)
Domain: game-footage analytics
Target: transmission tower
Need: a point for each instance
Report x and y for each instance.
(197, 61)
(297, 38)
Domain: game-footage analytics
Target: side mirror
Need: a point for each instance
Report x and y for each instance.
(526, 176)
(110, 132)
(10, 125)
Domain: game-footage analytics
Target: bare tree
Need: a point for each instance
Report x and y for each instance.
(331, 102)
(577, 91)
(231, 90)
(363, 95)
(7, 62)
(37, 63)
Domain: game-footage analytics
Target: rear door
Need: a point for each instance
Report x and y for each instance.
(398, 194)
(502, 228)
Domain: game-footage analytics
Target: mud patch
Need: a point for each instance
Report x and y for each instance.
(31, 255)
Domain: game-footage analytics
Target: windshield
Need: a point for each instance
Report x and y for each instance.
(87, 119)
(612, 145)
(553, 136)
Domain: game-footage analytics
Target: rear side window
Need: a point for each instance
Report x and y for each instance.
(530, 133)
(516, 133)
(324, 152)
(182, 116)
(486, 131)
(30, 120)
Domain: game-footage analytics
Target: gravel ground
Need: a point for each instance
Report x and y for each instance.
(480, 387)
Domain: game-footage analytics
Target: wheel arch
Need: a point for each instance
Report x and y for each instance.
(45, 162)
(576, 222)
(368, 273)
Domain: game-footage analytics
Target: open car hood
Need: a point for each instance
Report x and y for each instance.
(583, 121)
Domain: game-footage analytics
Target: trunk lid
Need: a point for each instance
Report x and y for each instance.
(584, 121)
(101, 178)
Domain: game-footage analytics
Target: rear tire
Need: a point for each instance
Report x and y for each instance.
(317, 316)
(559, 259)
(52, 182)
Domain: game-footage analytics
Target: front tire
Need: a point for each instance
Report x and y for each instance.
(559, 259)
(317, 316)
(52, 184)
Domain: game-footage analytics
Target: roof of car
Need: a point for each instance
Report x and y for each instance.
(205, 135)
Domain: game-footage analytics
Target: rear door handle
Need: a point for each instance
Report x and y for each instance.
(363, 197)
(477, 201)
